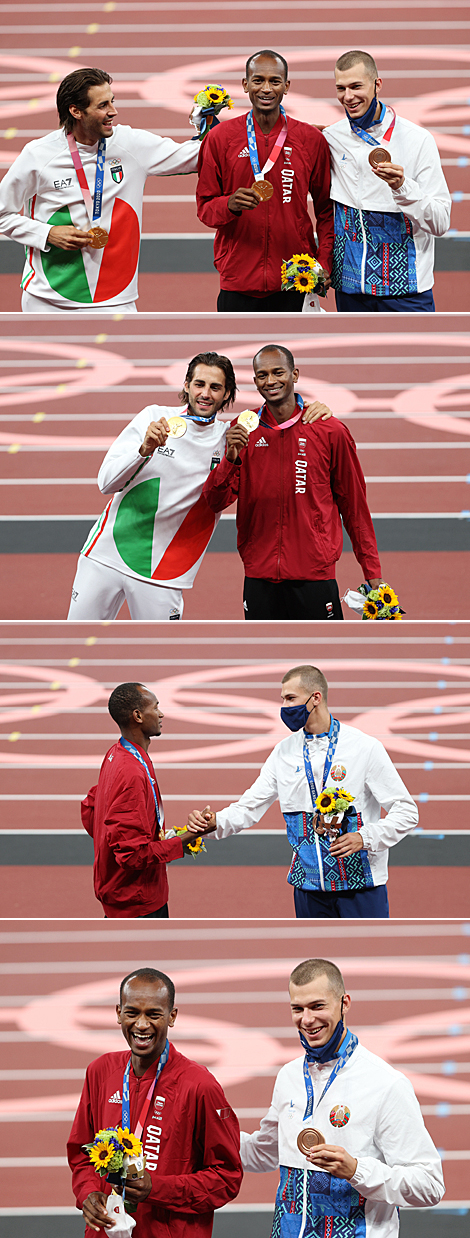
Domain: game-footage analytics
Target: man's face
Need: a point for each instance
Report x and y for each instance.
(355, 89)
(316, 1010)
(266, 84)
(273, 378)
(294, 693)
(207, 391)
(151, 715)
(97, 119)
(145, 1017)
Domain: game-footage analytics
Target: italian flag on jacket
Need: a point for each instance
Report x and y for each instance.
(158, 525)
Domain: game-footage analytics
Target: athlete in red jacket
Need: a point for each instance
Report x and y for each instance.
(190, 1133)
(255, 236)
(124, 814)
(293, 483)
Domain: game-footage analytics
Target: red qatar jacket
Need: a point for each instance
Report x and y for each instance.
(250, 248)
(293, 486)
(191, 1140)
(129, 873)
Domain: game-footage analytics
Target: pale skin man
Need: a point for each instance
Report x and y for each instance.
(355, 90)
(89, 126)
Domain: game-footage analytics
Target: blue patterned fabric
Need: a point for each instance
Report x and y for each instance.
(351, 872)
(334, 1208)
(390, 253)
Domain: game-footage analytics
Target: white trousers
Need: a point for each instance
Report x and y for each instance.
(99, 592)
(39, 305)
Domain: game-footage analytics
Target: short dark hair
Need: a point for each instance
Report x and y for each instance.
(150, 973)
(267, 52)
(349, 59)
(222, 363)
(311, 678)
(311, 969)
(74, 90)
(122, 702)
(276, 348)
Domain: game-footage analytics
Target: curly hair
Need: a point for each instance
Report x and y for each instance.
(222, 363)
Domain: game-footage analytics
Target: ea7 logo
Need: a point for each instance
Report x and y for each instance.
(63, 184)
(166, 451)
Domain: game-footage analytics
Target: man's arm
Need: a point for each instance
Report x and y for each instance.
(18, 186)
(349, 492)
(87, 1186)
(389, 790)
(320, 191)
(163, 156)
(251, 806)
(260, 1150)
(212, 197)
(125, 458)
(423, 196)
(219, 1177)
(412, 1174)
(221, 486)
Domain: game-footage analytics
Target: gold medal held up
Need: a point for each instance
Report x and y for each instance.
(178, 426)
(99, 238)
(249, 420)
(264, 189)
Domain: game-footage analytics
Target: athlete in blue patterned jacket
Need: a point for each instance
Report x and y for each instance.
(345, 877)
(387, 215)
(373, 1155)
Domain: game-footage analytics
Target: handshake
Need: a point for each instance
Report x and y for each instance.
(201, 822)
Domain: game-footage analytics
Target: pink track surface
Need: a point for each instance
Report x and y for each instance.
(59, 988)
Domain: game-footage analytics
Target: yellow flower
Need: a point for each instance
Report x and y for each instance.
(216, 93)
(284, 279)
(196, 846)
(101, 1155)
(306, 258)
(326, 801)
(132, 1146)
(370, 610)
(388, 595)
(304, 282)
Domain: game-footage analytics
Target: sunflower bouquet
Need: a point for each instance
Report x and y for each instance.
(332, 804)
(381, 603)
(116, 1154)
(209, 102)
(195, 847)
(301, 273)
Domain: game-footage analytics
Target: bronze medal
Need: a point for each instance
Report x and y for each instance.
(178, 426)
(264, 189)
(379, 155)
(249, 420)
(99, 238)
(309, 1138)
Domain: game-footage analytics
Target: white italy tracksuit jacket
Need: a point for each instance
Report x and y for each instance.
(397, 1163)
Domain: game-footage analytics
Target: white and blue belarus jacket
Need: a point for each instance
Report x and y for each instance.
(360, 765)
(371, 1110)
(384, 238)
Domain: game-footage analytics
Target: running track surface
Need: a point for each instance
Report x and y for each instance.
(167, 51)
(218, 686)
(403, 393)
(409, 983)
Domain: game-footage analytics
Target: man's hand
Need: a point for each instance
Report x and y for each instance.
(314, 411)
(68, 237)
(237, 438)
(204, 822)
(376, 582)
(335, 1160)
(156, 435)
(346, 844)
(94, 1211)
(326, 281)
(243, 200)
(141, 1187)
(391, 173)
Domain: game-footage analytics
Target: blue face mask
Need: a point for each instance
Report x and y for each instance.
(296, 716)
(367, 120)
(325, 1052)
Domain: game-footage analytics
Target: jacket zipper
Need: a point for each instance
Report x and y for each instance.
(320, 861)
(266, 224)
(364, 253)
(281, 505)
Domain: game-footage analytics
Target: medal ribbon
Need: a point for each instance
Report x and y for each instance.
(345, 1051)
(284, 425)
(367, 137)
(93, 210)
(333, 734)
(125, 743)
(253, 149)
(126, 1104)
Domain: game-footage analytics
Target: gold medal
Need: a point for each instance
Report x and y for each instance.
(178, 426)
(249, 420)
(379, 155)
(100, 238)
(264, 189)
(309, 1138)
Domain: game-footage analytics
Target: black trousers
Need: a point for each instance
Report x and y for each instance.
(346, 905)
(274, 303)
(291, 599)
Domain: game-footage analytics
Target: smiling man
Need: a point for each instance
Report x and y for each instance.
(259, 229)
(189, 1131)
(124, 814)
(390, 198)
(293, 483)
(344, 1127)
(87, 177)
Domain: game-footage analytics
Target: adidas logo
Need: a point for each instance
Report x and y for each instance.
(116, 1099)
(261, 443)
(244, 153)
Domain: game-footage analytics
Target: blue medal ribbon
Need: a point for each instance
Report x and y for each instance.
(343, 1054)
(99, 179)
(125, 743)
(126, 1104)
(367, 137)
(333, 734)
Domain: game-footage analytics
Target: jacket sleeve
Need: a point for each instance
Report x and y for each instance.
(219, 1177)
(16, 188)
(129, 834)
(349, 491)
(260, 1150)
(425, 198)
(320, 192)
(84, 1177)
(88, 811)
(410, 1175)
(212, 208)
(387, 787)
(222, 485)
(122, 461)
(251, 806)
(163, 156)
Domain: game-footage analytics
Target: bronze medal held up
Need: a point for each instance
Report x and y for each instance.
(379, 155)
(309, 1138)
